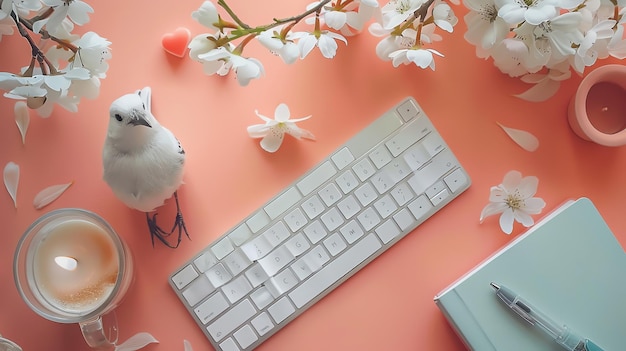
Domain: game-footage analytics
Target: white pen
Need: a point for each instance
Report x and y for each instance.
(558, 332)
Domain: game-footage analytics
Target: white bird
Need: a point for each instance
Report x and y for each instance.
(143, 161)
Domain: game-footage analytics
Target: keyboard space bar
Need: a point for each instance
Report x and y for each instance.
(335, 270)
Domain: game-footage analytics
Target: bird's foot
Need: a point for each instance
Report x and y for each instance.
(179, 227)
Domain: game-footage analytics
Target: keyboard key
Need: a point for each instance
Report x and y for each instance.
(368, 219)
(364, 169)
(442, 196)
(349, 207)
(456, 180)
(218, 275)
(351, 231)
(334, 244)
(385, 206)
(416, 157)
(184, 277)
(281, 310)
(240, 234)
(262, 297)
(332, 219)
(433, 144)
(295, 220)
(257, 248)
(245, 336)
(330, 194)
(404, 219)
(380, 156)
(282, 203)
(197, 290)
(430, 173)
(347, 181)
(262, 323)
(237, 261)
(387, 231)
(236, 289)
(313, 206)
(222, 248)
(420, 207)
(402, 194)
(366, 194)
(435, 189)
(382, 182)
(211, 307)
(205, 261)
(342, 158)
(258, 221)
(256, 275)
(316, 178)
(281, 283)
(276, 260)
(297, 245)
(334, 271)
(408, 136)
(232, 319)
(229, 345)
(316, 258)
(276, 234)
(315, 232)
(408, 110)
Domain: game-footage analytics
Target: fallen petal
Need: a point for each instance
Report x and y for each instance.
(136, 342)
(11, 180)
(187, 345)
(541, 91)
(523, 138)
(22, 118)
(49, 194)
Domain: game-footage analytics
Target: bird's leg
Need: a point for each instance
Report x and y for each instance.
(162, 235)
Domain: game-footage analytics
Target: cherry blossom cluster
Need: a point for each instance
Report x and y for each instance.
(406, 27)
(542, 40)
(63, 67)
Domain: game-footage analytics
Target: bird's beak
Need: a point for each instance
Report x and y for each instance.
(140, 121)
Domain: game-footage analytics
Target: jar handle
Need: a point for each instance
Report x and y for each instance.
(95, 334)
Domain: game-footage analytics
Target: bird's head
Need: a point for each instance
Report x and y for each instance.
(130, 118)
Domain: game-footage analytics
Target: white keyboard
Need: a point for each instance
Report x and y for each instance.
(320, 230)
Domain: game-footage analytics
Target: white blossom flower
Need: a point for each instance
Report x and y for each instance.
(285, 47)
(419, 56)
(484, 27)
(397, 11)
(595, 38)
(206, 15)
(93, 54)
(533, 12)
(76, 10)
(324, 40)
(444, 17)
(514, 200)
(221, 60)
(274, 130)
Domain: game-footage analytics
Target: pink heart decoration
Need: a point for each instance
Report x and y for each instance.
(176, 43)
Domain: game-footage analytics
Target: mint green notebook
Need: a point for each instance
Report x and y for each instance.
(569, 265)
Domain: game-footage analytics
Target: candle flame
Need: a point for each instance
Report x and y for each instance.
(65, 262)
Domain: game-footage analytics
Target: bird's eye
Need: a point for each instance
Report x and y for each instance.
(118, 117)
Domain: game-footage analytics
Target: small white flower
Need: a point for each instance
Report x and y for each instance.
(533, 12)
(444, 17)
(285, 47)
(398, 11)
(515, 200)
(76, 10)
(273, 131)
(206, 15)
(484, 27)
(324, 40)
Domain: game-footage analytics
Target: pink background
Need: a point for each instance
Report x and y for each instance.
(389, 304)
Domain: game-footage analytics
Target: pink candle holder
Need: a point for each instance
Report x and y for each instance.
(597, 112)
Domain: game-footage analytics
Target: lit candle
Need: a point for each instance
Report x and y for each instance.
(75, 265)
